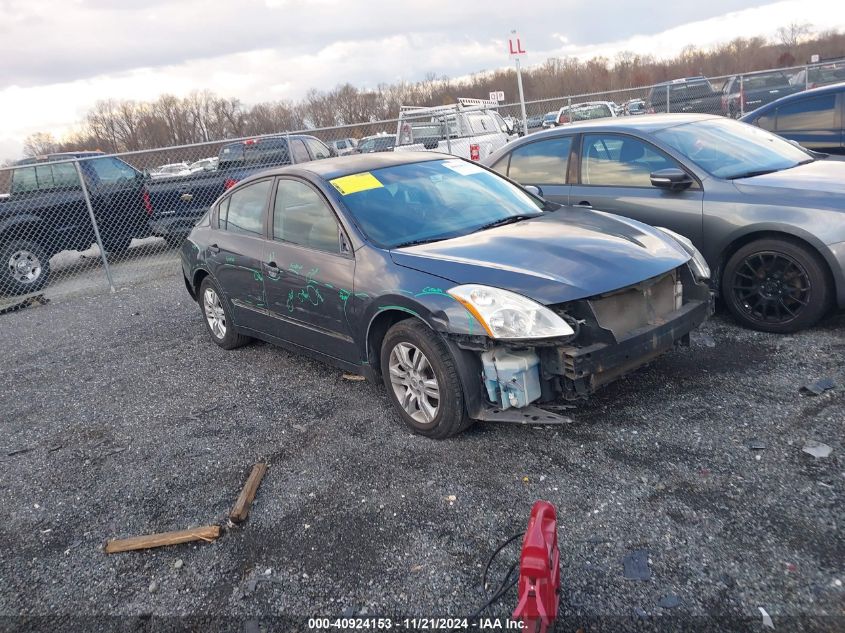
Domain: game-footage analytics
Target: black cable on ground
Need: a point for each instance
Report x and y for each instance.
(506, 583)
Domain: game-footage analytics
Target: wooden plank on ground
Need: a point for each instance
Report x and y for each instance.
(240, 510)
(206, 533)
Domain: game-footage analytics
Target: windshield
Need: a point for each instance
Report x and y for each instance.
(430, 201)
(730, 149)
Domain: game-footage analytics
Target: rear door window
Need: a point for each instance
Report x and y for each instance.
(542, 162)
(243, 212)
(808, 114)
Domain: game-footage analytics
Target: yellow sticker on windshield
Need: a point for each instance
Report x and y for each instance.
(356, 183)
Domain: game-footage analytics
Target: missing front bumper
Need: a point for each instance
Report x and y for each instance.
(578, 371)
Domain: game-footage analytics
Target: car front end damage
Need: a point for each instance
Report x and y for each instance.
(612, 334)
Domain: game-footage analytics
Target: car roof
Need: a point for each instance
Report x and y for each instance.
(647, 123)
(823, 90)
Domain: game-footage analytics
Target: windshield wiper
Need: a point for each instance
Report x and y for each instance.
(427, 240)
(751, 174)
(508, 220)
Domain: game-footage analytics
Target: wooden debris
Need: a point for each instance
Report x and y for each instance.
(354, 377)
(240, 510)
(206, 533)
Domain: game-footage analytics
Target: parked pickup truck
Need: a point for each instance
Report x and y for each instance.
(740, 95)
(690, 94)
(470, 128)
(179, 202)
(45, 212)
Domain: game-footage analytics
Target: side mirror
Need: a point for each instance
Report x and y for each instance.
(535, 190)
(673, 179)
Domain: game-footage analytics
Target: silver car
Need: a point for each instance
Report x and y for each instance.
(768, 216)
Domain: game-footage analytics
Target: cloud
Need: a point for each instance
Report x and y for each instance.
(279, 49)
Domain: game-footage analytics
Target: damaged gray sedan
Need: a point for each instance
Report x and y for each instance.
(470, 298)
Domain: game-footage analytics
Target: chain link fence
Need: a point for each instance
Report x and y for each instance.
(86, 221)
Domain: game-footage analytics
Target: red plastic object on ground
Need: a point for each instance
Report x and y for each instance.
(539, 570)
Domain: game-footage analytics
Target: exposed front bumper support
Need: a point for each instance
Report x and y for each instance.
(598, 364)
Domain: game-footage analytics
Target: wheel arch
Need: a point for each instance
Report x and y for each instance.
(381, 322)
(797, 237)
(467, 362)
(196, 280)
(28, 227)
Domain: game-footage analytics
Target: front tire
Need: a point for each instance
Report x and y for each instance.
(775, 285)
(217, 317)
(25, 267)
(422, 380)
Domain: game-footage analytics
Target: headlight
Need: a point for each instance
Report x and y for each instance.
(698, 264)
(507, 315)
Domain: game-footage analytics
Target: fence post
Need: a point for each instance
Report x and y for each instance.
(807, 77)
(569, 110)
(741, 96)
(667, 98)
(448, 135)
(94, 224)
(290, 148)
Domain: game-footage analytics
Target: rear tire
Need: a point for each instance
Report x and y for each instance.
(25, 267)
(218, 317)
(422, 380)
(775, 285)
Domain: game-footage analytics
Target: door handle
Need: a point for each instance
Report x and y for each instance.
(187, 197)
(214, 249)
(273, 270)
(584, 204)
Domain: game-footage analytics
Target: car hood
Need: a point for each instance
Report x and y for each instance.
(818, 179)
(561, 256)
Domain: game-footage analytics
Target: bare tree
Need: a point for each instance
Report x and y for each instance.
(39, 143)
(793, 34)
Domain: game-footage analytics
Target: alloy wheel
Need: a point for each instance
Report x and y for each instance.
(414, 382)
(771, 287)
(24, 266)
(214, 313)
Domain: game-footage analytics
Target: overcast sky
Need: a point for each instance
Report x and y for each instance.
(59, 58)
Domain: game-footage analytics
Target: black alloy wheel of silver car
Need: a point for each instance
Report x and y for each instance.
(422, 381)
(217, 317)
(26, 267)
(776, 286)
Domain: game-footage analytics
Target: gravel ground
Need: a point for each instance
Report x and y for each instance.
(132, 422)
